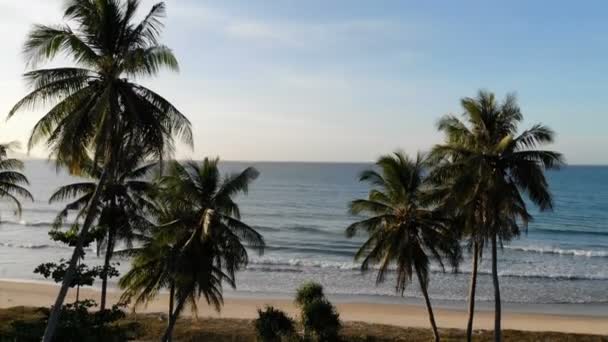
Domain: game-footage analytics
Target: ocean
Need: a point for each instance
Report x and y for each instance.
(301, 210)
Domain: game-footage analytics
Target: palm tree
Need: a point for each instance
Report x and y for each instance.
(404, 229)
(124, 202)
(11, 180)
(95, 105)
(489, 167)
(200, 242)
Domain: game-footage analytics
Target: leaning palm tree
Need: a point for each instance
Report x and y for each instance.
(123, 205)
(489, 167)
(95, 104)
(11, 179)
(404, 228)
(201, 241)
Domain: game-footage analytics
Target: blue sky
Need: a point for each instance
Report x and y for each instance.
(349, 80)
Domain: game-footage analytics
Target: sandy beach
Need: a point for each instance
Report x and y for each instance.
(405, 315)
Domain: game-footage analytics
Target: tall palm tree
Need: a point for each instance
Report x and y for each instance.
(11, 180)
(490, 167)
(95, 104)
(404, 228)
(201, 241)
(123, 205)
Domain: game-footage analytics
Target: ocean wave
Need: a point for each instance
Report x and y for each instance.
(313, 250)
(42, 210)
(297, 228)
(274, 269)
(268, 264)
(39, 246)
(32, 224)
(26, 246)
(305, 263)
(569, 232)
(267, 229)
(560, 251)
(309, 229)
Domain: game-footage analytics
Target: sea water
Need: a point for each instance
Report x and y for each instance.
(301, 210)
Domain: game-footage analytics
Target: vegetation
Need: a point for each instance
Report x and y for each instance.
(121, 211)
(191, 240)
(199, 242)
(83, 275)
(404, 228)
(97, 111)
(273, 325)
(78, 323)
(488, 167)
(309, 292)
(21, 321)
(11, 180)
(320, 319)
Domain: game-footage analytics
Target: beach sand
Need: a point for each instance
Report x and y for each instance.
(405, 315)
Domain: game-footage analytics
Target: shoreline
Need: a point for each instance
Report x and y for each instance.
(401, 313)
(568, 309)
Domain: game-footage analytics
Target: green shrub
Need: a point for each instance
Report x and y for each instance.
(308, 292)
(321, 320)
(273, 325)
(78, 323)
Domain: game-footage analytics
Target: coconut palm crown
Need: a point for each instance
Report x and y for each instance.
(404, 229)
(489, 167)
(94, 104)
(200, 242)
(12, 181)
(125, 201)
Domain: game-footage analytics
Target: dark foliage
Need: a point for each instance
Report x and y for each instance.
(273, 325)
(321, 320)
(77, 324)
(309, 292)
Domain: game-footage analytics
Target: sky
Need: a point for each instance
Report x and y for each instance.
(348, 80)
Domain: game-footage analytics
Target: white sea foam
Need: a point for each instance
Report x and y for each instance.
(295, 265)
(560, 251)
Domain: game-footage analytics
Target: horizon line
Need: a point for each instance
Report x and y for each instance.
(304, 161)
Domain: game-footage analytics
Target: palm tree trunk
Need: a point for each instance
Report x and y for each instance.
(497, 310)
(171, 299)
(53, 321)
(168, 336)
(78, 285)
(106, 268)
(428, 306)
(472, 291)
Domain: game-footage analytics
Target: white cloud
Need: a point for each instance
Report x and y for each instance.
(279, 32)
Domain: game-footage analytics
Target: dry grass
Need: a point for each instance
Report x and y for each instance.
(242, 330)
(148, 327)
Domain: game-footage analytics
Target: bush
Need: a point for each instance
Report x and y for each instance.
(320, 318)
(273, 325)
(78, 323)
(308, 292)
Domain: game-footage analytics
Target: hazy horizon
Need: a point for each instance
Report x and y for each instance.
(26, 157)
(348, 81)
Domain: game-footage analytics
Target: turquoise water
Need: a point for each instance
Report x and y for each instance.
(301, 209)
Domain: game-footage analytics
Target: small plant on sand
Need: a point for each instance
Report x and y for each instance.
(309, 292)
(320, 319)
(273, 325)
